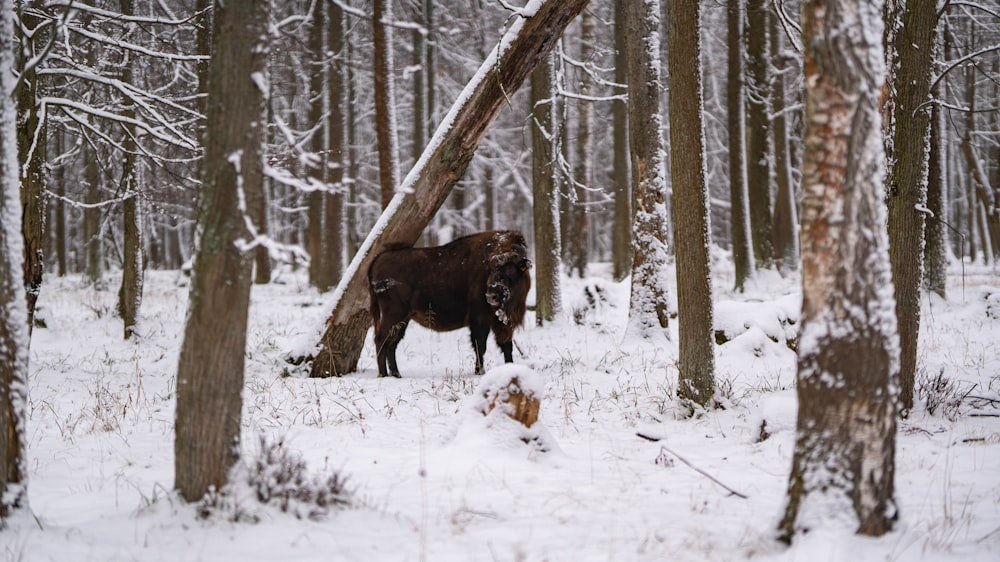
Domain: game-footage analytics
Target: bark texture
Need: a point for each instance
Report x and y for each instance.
(621, 233)
(758, 134)
(907, 150)
(545, 191)
(385, 112)
(844, 459)
(449, 155)
(210, 371)
(696, 379)
(739, 214)
(648, 301)
(13, 307)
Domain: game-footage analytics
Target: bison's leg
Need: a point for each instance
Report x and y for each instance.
(507, 348)
(479, 334)
(387, 338)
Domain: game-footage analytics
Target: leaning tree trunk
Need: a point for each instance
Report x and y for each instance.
(696, 359)
(211, 364)
(844, 459)
(13, 307)
(445, 160)
(907, 151)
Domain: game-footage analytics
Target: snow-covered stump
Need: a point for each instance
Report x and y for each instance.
(515, 391)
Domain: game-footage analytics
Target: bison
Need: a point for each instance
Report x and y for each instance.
(480, 281)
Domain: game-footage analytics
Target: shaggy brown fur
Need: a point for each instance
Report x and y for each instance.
(480, 281)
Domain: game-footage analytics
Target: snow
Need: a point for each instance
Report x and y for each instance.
(432, 478)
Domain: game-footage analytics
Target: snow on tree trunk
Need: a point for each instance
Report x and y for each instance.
(786, 220)
(530, 38)
(13, 307)
(844, 458)
(648, 301)
(211, 364)
(31, 135)
(696, 379)
(545, 149)
(907, 149)
(130, 291)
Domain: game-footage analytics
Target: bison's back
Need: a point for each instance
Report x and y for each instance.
(436, 286)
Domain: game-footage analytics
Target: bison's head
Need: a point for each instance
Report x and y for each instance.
(509, 278)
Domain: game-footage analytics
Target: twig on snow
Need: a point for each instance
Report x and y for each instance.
(665, 449)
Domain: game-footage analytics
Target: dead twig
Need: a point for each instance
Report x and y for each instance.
(665, 449)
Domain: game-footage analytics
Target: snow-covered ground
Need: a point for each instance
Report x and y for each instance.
(432, 479)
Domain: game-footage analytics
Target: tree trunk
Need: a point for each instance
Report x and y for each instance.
(758, 133)
(385, 111)
(545, 189)
(786, 220)
(579, 217)
(31, 143)
(334, 231)
(528, 41)
(621, 229)
(736, 120)
(320, 97)
(844, 459)
(210, 370)
(92, 213)
(696, 379)
(59, 214)
(648, 301)
(936, 249)
(14, 330)
(130, 292)
(908, 132)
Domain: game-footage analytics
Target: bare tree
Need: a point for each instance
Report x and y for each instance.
(385, 111)
(907, 149)
(13, 306)
(621, 233)
(736, 119)
(545, 148)
(786, 220)
(696, 379)
(758, 134)
(130, 292)
(844, 460)
(648, 302)
(210, 370)
(528, 41)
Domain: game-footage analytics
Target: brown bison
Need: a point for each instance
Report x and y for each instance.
(480, 281)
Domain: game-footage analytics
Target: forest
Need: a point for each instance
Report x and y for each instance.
(773, 255)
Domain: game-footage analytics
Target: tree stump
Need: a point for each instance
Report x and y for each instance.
(517, 402)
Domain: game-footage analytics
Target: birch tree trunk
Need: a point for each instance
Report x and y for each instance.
(696, 379)
(844, 459)
(528, 41)
(648, 301)
(13, 307)
(210, 370)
